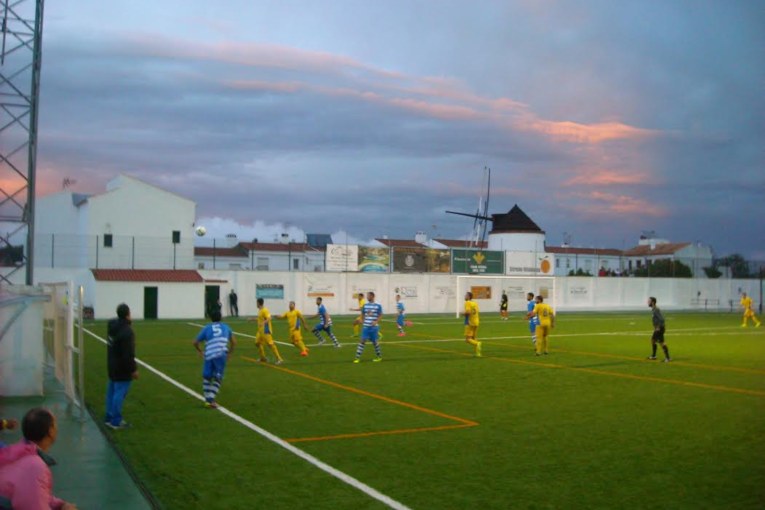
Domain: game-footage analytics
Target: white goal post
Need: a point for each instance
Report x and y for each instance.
(488, 289)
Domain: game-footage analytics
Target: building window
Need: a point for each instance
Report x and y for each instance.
(568, 263)
(262, 264)
(557, 263)
(176, 236)
(201, 265)
(108, 240)
(295, 264)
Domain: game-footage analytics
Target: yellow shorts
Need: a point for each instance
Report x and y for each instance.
(748, 313)
(543, 331)
(471, 332)
(296, 336)
(263, 338)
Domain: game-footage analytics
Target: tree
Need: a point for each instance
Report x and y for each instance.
(665, 268)
(579, 272)
(712, 272)
(739, 268)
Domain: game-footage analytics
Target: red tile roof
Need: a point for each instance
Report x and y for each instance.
(644, 250)
(147, 275)
(460, 243)
(563, 250)
(208, 251)
(401, 243)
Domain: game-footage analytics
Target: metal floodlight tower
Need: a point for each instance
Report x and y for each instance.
(20, 59)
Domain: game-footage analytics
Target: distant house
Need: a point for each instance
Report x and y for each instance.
(257, 256)
(697, 256)
(132, 225)
(595, 261)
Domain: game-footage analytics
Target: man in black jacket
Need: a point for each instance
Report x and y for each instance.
(121, 363)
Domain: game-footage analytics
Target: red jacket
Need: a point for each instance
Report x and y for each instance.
(25, 479)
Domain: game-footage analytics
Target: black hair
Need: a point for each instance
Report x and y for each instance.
(530, 294)
(470, 294)
(36, 424)
(123, 311)
(652, 300)
(260, 301)
(540, 298)
(215, 316)
(319, 300)
(371, 293)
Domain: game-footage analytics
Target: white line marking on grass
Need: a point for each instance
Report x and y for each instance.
(343, 477)
(240, 334)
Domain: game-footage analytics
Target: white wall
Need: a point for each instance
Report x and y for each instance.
(423, 293)
(517, 242)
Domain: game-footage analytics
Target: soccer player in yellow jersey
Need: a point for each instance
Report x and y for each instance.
(746, 304)
(546, 316)
(360, 319)
(265, 334)
(296, 324)
(472, 320)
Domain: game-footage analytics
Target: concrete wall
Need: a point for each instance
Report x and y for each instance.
(422, 293)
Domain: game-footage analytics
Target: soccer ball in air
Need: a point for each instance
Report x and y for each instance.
(201, 231)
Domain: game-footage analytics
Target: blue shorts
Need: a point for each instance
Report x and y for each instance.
(370, 333)
(214, 368)
(533, 323)
(400, 320)
(321, 327)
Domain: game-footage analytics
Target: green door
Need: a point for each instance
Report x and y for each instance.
(150, 300)
(212, 299)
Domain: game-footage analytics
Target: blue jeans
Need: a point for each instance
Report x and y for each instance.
(116, 391)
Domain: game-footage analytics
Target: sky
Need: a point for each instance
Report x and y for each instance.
(600, 119)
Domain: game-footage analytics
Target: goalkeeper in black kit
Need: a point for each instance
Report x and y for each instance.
(658, 331)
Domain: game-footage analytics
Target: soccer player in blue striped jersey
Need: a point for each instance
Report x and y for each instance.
(373, 314)
(533, 319)
(400, 319)
(219, 344)
(325, 324)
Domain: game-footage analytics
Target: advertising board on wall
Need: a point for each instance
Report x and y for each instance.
(342, 257)
(269, 291)
(374, 260)
(420, 260)
(529, 263)
(478, 262)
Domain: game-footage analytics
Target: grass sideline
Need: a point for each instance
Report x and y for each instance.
(592, 425)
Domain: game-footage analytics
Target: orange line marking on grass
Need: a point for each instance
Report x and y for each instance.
(621, 375)
(462, 422)
(635, 358)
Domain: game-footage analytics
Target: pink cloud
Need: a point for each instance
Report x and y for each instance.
(584, 133)
(598, 203)
(607, 178)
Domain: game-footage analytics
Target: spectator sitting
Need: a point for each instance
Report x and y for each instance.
(26, 482)
(7, 425)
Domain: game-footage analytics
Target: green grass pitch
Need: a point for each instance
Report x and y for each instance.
(592, 425)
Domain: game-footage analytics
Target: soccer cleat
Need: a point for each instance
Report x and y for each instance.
(321, 341)
(304, 353)
(278, 362)
(651, 357)
(667, 360)
(378, 358)
(546, 353)
(357, 360)
(211, 405)
(402, 334)
(123, 425)
(337, 346)
(264, 360)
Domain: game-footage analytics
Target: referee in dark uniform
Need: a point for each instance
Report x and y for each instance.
(658, 331)
(503, 306)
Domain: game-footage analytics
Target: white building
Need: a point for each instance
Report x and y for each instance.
(697, 256)
(594, 261)
(132, 225)
(258, 256)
